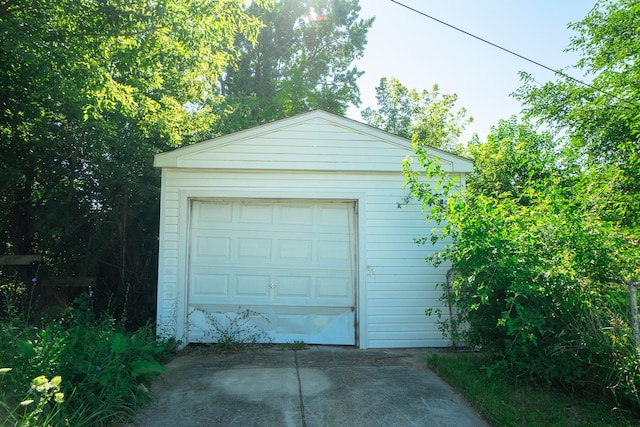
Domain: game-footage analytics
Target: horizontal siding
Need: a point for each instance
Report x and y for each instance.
(305, 146)
(316, 132)
(400, 284)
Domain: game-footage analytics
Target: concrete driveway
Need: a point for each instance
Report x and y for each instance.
(320, 386)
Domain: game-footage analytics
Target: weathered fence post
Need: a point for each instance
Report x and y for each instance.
(633, 299)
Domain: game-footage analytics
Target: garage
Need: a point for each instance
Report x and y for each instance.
(293, 261)
(303, 223)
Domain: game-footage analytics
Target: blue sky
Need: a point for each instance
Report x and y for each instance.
(421, 52)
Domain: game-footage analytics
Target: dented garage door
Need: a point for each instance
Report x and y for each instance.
(291, 261)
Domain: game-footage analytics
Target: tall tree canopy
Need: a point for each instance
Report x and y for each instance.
(427, 118)
(303, 59)
(602, 120)
(90, 91)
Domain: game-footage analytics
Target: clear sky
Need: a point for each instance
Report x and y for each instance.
(421, 52)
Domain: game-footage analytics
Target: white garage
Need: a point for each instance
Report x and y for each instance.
(305, 222)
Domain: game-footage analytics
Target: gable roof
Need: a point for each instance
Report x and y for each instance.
(316, 140)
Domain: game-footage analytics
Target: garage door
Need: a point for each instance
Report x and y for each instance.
(291, 261)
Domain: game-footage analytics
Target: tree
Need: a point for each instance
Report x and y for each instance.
(427, 118)
(601, 120)
(303, 59)
(91, 90)
(514, 159)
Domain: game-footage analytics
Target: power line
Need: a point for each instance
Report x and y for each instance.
(558, 72)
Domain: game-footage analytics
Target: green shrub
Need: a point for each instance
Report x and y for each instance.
(103, 368)
(539, 283)
(537, 287)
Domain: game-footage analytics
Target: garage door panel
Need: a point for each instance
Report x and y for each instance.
(332, 215)
(282, 324)
(334, 252)
(293, 286)
(333, 287)
(332, 327)
(295, 215)
(255, 213)
(252, 285)
(205, 213)
(249, 248)
(210, 285)
(298, 250)
(295, 259)
(212, 247)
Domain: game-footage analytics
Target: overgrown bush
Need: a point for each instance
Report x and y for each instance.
(540, 275)
(103, 369)
(537, 287)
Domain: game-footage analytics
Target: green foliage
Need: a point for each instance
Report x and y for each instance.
(98, 370)
(546, 233)
(41, 405)
(540, 275)
(427, 118)
(602, 126)
(601, 120)
(302, 60)
(513, 159)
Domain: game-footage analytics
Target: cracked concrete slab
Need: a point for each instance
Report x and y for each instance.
(320, 386)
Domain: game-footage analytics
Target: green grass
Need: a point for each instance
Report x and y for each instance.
(507, 401)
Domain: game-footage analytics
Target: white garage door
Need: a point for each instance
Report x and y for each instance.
(291, 261)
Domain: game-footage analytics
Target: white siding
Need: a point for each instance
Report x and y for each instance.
(307, 146)
(312, 141)
(396, 284)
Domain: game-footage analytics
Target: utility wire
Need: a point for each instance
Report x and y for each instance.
(558, 72)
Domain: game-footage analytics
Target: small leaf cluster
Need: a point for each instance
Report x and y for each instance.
(428, 118)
